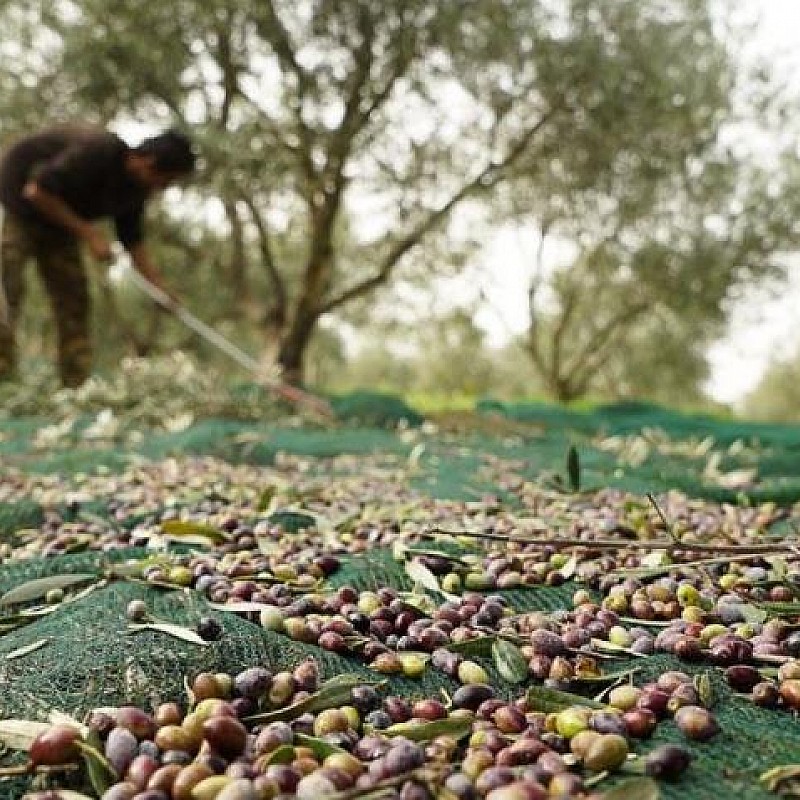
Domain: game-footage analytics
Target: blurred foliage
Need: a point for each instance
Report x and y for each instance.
(777, 396)
(352, 150)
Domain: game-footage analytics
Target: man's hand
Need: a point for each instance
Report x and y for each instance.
(99, 246)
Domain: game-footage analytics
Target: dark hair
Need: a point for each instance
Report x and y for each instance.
(172, 150)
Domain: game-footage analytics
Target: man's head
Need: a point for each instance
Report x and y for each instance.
(161, 160)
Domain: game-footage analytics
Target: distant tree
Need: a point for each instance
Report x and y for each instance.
(660, 220)
(777, 396)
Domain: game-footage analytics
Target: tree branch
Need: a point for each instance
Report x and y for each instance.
(267, 257)
(484, 180)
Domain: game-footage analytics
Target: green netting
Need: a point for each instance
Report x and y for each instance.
(86, 658)
(21, 514)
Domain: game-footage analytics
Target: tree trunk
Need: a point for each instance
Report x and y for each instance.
(291, 356)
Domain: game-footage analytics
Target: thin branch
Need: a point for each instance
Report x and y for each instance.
(267, 257)
(483, 181)
(669, 545)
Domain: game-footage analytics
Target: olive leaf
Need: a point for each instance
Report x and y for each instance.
(454, 727)
(510, 663)
(107, 523)
(540, 698)
(39, 587)
(479, 646)
(604, 679)
(192, 531)
(780, 568)
(19, 734)
(574, 468)
(99, 771)
(333, 693)
(265, 499)
(178, 631)
(753, 615)
(420, 574)
(634, 789)
(705, 689)
(284, 754)
(56, 717)
(773, 778)
(319, 747)
(609, 647)
(569, 568)
(23, 651)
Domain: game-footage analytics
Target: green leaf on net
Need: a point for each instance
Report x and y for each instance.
(574, 469)
(510, 663)
(178, 631)
(39, 587)
(775, 777)
(319, 747)
(454, 727)
(540, 698)
(192, 531)
(101, 775)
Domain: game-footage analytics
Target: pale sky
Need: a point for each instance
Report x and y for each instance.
(763, 326)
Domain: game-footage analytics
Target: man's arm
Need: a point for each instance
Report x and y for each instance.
(54, 209)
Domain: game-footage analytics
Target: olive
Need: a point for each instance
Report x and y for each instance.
(226, 735)
(766, 694)
(306, 676)
(209, 629)
(624, 697)
(608, 752)
(472, 696)
(121, 748)
(136, 611)
(640, 722)
(138, 722)
(471, 673)
(607, 722)
(120, 791)
(331, 720)
(187, 779)
(141, 769)
(239, 789)
(365, 698)
(252, 683)
(742, 678)
(582, 741)
(696, 722)
(790, 693)
(667, 762)
(57, 745)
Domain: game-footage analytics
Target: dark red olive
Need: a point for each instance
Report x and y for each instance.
(226, 735)
(640, 722)
(57, 745)
(742, 678)
(667, 762)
